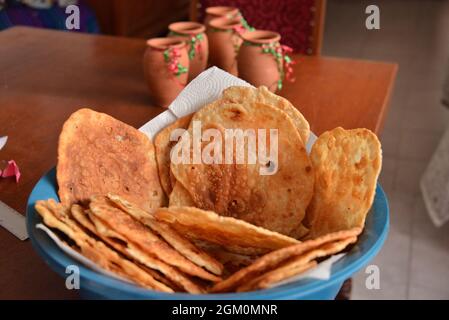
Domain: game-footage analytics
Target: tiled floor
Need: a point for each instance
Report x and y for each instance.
(414, 262)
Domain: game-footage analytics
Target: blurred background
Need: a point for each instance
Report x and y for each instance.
(414, 262)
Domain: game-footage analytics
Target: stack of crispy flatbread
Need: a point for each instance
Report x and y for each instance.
(212, 227)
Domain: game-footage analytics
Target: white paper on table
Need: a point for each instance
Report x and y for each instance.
(3, 141)
(201, 91)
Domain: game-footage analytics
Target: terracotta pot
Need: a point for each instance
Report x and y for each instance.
(164, 63)
(255, 66)
(197, 44)
(224, 43)
(220, 12)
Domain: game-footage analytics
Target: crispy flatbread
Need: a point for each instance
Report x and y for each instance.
(347, 164)
(228, 232)
(272, 194)
(90, 222)
(163, 146)
(238, 94)
(98, 154)
(56, 216)
(85, 218)
(300, 233)
(142, 237)
(231, 261)
(173, 274)
(158, 269)
(296, 265)
(274, 258)
(180, 197)
(180, 243)
(272, 277)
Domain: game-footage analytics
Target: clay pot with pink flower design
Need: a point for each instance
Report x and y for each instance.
(262, 60)
(165, 65)
(194, 34)
(224, 43)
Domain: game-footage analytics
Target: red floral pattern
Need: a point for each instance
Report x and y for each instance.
(291, 18)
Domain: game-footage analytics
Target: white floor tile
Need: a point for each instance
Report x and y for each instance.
(435, 118)
(394, 258)
(430, 252)
(389, 290)
(418, 144)
(388, 173)
(408, 175)
(424, 293)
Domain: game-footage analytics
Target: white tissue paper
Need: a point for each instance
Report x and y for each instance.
(201, 91)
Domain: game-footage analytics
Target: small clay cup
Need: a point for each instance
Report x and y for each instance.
(164, 85)
(255, 66)
(195, 36)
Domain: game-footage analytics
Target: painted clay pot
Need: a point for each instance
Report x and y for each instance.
(165, 65)
(257, 62)
(197, 44)
(224, 43)
(220, 12)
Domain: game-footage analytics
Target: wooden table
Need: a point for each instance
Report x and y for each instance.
(46, 75)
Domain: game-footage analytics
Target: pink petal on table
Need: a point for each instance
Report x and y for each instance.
(11, 170)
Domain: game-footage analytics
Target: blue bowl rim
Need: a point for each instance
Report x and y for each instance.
(58, 261)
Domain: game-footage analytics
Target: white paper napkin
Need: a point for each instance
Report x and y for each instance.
(152, 127)
(204, 89)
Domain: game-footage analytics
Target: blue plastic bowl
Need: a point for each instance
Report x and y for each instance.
(99, 286)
